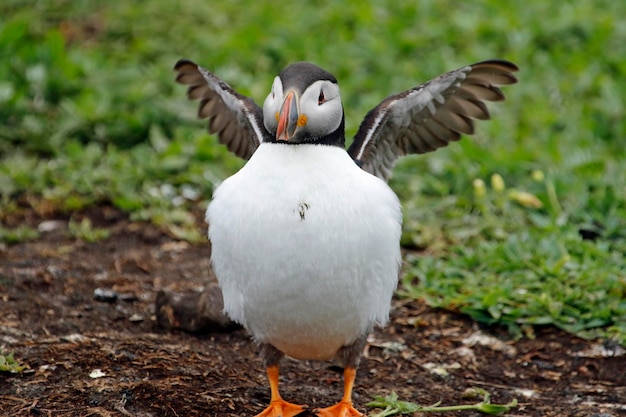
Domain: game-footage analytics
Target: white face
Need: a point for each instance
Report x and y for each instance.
(271, 106)
(319, 107)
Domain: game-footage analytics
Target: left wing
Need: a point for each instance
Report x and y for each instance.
(428, 116)
(237, 119)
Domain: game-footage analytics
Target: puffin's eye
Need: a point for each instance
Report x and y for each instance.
(321, 98)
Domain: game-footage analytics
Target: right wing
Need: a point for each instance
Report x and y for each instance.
(236, 119)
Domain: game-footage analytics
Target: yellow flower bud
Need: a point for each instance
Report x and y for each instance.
(525, 199)
(479, 188)
(537, 175)
(497, 183)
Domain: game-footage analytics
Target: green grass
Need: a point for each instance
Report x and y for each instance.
(391, 405)
(89, 114)
(516, 266)
(9, 364)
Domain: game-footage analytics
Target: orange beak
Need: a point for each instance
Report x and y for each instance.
(288, 118)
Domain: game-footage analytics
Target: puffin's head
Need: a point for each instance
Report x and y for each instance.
(304, 106)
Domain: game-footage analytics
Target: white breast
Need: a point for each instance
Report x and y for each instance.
(305, 248)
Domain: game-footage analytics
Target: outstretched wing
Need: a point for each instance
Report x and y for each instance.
(236, 119)
(429, 116)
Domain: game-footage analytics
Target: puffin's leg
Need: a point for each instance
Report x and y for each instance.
(350, 356)
(278, 407)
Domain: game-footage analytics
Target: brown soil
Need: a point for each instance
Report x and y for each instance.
(50, 319)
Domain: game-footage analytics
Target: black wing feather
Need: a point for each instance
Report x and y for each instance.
(236, 119)
(429, 116)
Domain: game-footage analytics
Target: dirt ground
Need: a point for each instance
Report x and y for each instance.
(108, 357)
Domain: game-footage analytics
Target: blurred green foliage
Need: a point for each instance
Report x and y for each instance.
(90, 114)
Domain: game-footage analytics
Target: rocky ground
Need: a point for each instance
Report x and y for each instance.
(81, 317)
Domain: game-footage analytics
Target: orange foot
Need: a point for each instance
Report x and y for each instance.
(281, 408)
(341, 409)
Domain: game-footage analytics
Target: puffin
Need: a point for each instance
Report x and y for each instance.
(305, 237)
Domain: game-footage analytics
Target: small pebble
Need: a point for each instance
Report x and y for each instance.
(105, 295)
(136, 318)
(128, 297)
(51, 225)
(96, 373)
